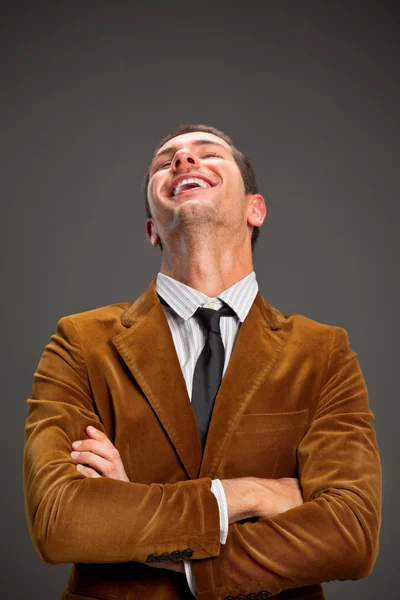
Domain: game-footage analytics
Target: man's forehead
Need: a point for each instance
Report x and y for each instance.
(189, 138)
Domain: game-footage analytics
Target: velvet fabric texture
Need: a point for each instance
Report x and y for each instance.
(293, 403)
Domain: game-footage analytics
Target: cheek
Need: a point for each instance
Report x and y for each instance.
(158, 208)
(234, 181)
(234, 189)
(152, 193)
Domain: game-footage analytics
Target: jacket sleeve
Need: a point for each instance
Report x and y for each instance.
(334, 534)
(73, 518)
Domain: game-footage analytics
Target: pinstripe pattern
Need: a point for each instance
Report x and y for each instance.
(188, 335)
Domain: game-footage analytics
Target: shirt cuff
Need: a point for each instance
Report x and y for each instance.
(190, 577)
(218, 490)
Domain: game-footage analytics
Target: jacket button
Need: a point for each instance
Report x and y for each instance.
(164, 557)
(229, 598)
(152, 558)
(188, 553)
(176, 555)
(240, 597)
(263, 595)
(252, 597)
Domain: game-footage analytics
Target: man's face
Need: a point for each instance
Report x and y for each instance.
(215, 190)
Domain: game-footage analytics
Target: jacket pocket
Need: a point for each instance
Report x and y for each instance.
(272, 422)
(265, 445)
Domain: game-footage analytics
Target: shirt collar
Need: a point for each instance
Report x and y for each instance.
(185, 300)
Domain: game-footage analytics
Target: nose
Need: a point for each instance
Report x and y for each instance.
(184, 158)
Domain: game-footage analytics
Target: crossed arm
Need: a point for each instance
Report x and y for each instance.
(332, 534)
(246, 496)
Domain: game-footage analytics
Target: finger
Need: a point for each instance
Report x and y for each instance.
(99, 435)
(99, 448)
(101, 465)
(87, 471)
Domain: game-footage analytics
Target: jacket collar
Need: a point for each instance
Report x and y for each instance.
(185, 300)
(142, 306)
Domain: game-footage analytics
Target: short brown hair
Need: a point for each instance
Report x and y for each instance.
(246, 170)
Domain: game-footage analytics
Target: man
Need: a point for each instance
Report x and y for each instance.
(232, 454)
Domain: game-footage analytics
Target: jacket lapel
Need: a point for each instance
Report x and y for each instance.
(257, 347)
(148, 349)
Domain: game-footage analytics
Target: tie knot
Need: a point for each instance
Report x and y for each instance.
(210, 317)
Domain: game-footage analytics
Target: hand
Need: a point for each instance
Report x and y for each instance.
(100, 453)
(277, 495)
(249, 497)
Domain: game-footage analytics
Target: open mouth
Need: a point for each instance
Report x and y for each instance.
(189, 184)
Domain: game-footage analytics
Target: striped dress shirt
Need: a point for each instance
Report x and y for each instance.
(189, 339)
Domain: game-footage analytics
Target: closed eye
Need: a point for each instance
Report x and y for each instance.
(166, 163)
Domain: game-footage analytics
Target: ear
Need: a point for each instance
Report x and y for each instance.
(257, 210)
(151, 233)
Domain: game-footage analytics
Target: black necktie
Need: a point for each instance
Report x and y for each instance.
(209, 367)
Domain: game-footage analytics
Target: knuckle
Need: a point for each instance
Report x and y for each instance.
(114, 453)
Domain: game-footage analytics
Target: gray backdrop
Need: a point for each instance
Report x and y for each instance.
(309, 91)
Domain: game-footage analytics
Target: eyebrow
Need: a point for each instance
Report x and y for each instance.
(195, 143)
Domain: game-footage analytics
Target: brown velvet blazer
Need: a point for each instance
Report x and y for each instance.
(293, 403)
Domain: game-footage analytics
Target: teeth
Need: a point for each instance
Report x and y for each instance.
(197, 180)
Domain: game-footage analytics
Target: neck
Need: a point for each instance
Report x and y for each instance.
(210, 270)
